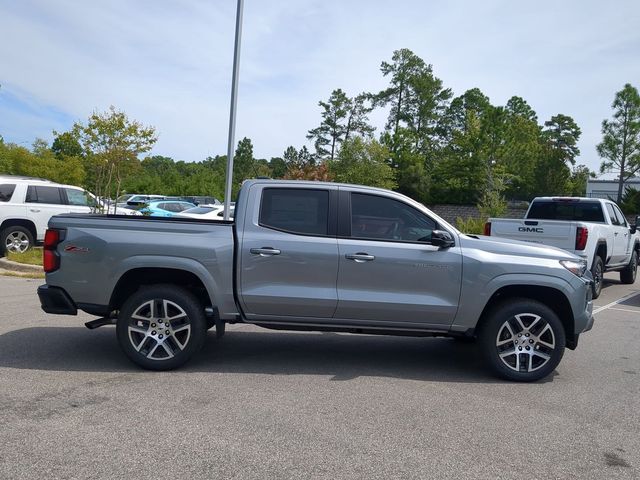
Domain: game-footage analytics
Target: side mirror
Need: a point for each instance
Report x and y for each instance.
(634, 227)
(442, 239)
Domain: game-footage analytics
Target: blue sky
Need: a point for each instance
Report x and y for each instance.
(168, 63)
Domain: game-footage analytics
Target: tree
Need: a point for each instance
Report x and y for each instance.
(363, 162)
(405, 65)
(244, 165)
(278, 167)
(620, 146)
(332, 128)
(111, 144)
(66, 145)
(342, 117)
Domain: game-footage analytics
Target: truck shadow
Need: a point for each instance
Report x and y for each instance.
(343, 357)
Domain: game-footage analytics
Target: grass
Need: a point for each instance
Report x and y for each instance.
(32, 256)
(8, 273)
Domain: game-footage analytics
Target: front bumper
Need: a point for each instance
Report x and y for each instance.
(56, 300)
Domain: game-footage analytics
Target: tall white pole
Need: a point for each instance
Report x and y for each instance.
(232, 111)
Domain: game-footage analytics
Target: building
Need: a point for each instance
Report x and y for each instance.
(606, 186)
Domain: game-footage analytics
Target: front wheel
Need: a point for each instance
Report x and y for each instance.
(628, 275)
(522, 340)
(161, 327)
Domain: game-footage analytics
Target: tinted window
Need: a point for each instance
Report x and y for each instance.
(294, 210)
(43, 195)
(380, 218)
(621, 218)
(6, 191)
(570, 210)
(614, 219)
(77, 197)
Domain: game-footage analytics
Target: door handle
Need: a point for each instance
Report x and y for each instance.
(34, 210)
(265, 251)
(359, 257)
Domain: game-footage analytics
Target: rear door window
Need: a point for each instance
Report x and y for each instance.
(614, 219)
(295, 210)
(6, 192)
(39, 194)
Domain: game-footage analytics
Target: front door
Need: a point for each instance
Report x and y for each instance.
(289, 254)
(389, 272)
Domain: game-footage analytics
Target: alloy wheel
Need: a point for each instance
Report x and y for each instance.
(159, 329)
(525, 342)
(17, 242)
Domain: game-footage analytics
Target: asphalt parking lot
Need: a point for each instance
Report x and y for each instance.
(264, 404)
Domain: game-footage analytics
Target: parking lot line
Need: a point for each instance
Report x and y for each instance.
(620, 300)
(624, 310)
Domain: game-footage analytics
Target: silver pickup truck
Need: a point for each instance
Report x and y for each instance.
(318, 257)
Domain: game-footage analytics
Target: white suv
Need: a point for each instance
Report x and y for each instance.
(27, 204)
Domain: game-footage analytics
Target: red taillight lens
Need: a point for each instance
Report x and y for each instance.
(487, 229)
(50, 258)
(582, 234)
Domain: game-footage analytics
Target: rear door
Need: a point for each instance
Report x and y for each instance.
(289, 253)
(389, 271)
(621, 237)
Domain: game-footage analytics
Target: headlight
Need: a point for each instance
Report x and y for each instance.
(577, 267)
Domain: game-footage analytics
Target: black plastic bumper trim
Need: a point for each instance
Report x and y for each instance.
(56, 300)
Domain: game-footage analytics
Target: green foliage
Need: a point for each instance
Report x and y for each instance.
(33, 256)
(363, 162)
(620, 146)
(473, 226)
(111, 144)
(630, 203)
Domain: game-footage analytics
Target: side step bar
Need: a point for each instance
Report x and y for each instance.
(100, 322)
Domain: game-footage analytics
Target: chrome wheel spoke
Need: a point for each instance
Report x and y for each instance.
(508, 353)
(530, 351)
(159, 329)
(520, 323)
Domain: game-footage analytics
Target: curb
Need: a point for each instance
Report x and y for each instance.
(19, 267)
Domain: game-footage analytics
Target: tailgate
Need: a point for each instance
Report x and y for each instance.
(547, 232)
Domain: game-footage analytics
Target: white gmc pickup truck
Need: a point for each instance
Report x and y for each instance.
(591, 228)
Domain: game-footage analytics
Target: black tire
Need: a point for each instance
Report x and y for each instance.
(517, 354)
(7, 234)
(148, 340)
(597, 270)
(628, 275)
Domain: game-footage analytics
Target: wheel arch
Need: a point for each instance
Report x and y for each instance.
(134, 279)
(553, 298)
(21, 222)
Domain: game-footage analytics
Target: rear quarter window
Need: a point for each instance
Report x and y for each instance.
(6, 192)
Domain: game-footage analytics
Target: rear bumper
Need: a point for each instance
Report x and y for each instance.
(56, 300)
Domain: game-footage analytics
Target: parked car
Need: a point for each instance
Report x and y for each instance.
(201, 200)
(165, 208)
(27, 204)
(592, 228)
(134, 201)
(316, 256)
(208, 212)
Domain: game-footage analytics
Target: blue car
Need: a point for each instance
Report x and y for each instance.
(165, 208)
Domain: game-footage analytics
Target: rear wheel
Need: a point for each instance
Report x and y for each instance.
(628, 275)
(522, 340)
(15, 239)
(597, 270)
(161, 327)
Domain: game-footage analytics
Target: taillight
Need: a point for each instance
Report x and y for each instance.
(487, 229)
(50, 258)
(581, 238)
